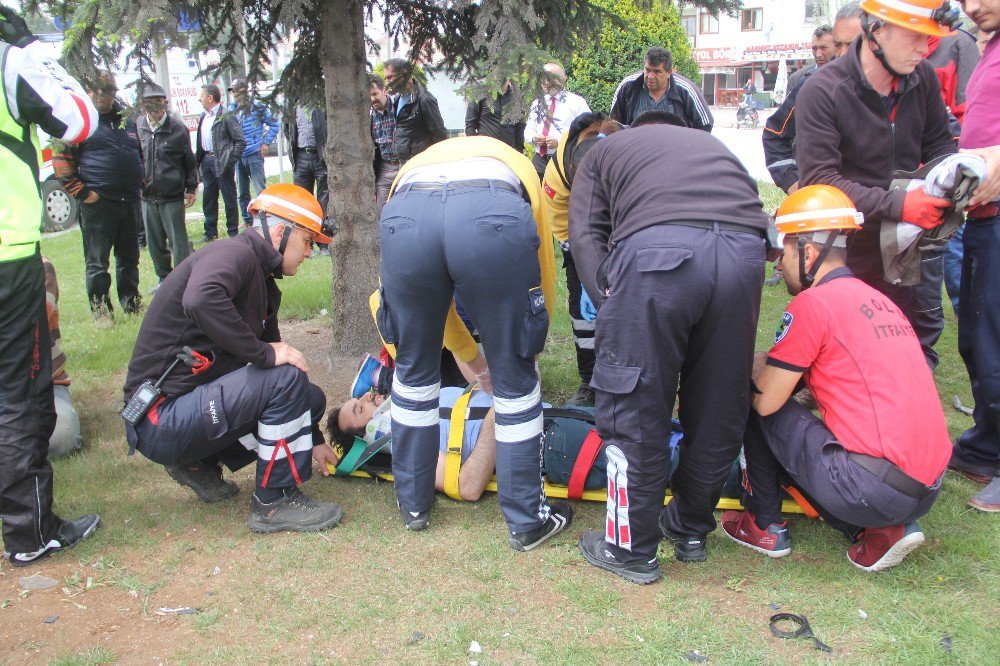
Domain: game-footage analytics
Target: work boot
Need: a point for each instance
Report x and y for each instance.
(981, 474)
(560, 517)
(293, 512)
(879, 548)
(741, 527)
(987, 499)
(584, 396)
(594, 550)
(205, 480)
(415, 521)
(206, 239)
(686, 548)
(69, 534)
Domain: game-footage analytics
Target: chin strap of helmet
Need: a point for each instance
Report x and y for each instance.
(262, 217)
(869, 25)
(809, 277)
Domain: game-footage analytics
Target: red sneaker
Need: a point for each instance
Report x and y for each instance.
(879, 548)
(741, 528)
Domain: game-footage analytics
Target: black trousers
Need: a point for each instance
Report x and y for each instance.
(215, 183)
(583, 331)
(680, 322)
(112, 225)
(795, 443)
(310, 173)
(27, 411)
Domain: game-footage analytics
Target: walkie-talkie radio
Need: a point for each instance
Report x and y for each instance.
(148, 393)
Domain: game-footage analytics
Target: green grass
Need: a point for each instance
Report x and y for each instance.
(358, 593)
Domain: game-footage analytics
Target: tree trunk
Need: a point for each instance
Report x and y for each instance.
(349, 155)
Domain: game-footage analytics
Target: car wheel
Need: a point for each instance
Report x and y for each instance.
(59, 210)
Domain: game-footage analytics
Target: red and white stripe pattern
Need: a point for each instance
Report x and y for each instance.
(617, 530)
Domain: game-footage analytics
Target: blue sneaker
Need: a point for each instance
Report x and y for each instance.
(364, 380)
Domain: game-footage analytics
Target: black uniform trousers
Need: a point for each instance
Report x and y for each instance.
(262, 414)
(583, 330)
(680, 322)
(27, 410)
(111, 225)
(794, 443)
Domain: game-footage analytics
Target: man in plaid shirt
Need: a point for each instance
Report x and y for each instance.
(383, 126)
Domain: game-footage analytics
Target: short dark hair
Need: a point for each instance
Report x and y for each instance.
(401, 66)
(822, 31)
(657, 55)
(340, 436)
(376, 80)
(213, 91)
(658, 117)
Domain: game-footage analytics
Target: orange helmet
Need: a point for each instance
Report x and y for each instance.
(817, 208)
(924, 16)
(294, 204)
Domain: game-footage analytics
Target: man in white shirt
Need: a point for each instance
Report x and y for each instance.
(550, 116)
(220, 145)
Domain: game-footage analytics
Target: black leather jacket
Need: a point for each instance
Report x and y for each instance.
(228, 142)
(418, 125)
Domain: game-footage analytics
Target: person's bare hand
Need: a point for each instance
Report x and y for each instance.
(264, 150)
(325, 456)
(285, 354)
(989, 189)
(794, 186)
(93, 197)
(551, 142)
(538, 140)
(189, 199)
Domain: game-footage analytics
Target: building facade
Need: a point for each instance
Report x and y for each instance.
(766, 41)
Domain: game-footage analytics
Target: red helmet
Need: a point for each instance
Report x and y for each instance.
(294, 204)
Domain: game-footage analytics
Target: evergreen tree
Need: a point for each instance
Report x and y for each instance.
(329, 66)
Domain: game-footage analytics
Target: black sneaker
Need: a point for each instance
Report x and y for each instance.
(594, 550)
(205, 480)
(584, 396)
(686, 548)
(295, 512)
(415, 521)
(207, 239)
(560, 517)
(68, 535)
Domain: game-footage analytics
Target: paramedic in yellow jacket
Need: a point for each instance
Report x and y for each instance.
(464, 219)
(556, 185)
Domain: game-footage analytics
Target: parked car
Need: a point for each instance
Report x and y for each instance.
(59, 210)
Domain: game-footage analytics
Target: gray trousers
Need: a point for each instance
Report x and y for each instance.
(383, 182)
(481, 246)
(165, 222)
(794, 442)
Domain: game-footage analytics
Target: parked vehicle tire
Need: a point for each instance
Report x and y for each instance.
(59, 210)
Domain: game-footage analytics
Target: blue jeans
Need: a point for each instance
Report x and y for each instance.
(249, 167)
(979, 339)
(953, 267)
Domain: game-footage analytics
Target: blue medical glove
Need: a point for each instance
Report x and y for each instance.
(587, 309)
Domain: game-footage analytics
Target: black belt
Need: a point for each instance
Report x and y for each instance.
(309, 149)
(391, 162)
(983, 212)
(723, 226)
(461, 184)
(894, 477)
